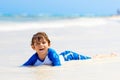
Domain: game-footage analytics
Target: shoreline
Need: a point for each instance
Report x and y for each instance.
(62, 23)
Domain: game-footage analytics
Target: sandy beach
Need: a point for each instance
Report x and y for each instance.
(88, 36)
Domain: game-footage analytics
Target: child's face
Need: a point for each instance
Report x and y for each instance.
(41, 46)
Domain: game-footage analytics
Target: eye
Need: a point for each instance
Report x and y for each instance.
(37, 44)
(44, 42)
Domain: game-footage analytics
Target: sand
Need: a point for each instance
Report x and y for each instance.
(88, 36)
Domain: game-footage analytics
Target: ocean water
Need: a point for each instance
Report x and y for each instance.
(88, 35)
(26, 19)
(17, 21)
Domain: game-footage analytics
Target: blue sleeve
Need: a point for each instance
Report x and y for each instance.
(54, 57)
(31, 61)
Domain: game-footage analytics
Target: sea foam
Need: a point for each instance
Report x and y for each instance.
(81, 22)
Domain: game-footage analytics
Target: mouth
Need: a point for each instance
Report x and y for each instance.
(41, 50)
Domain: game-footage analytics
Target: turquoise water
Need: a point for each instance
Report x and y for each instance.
(42, 17)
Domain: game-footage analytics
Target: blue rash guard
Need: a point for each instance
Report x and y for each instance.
(51, 58)
(54, 59)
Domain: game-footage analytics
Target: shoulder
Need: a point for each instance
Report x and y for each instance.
(34, 56)
(54, 57)
(51, 50)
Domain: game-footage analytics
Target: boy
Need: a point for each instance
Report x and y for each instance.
(46, 55)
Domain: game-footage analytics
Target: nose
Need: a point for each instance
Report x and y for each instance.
(40, 44)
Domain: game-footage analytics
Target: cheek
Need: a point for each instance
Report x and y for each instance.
(34, 47)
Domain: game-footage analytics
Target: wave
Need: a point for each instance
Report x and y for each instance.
(60, 23)
(42, 17)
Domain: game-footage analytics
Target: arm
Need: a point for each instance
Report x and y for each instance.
(31, 61)
(54, 57)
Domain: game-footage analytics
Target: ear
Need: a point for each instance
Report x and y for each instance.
(33, 47)
(49, 44)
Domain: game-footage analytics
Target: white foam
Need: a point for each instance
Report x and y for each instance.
(81, 22)
(24, 26)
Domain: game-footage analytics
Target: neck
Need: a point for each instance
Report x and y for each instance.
(42, 56)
